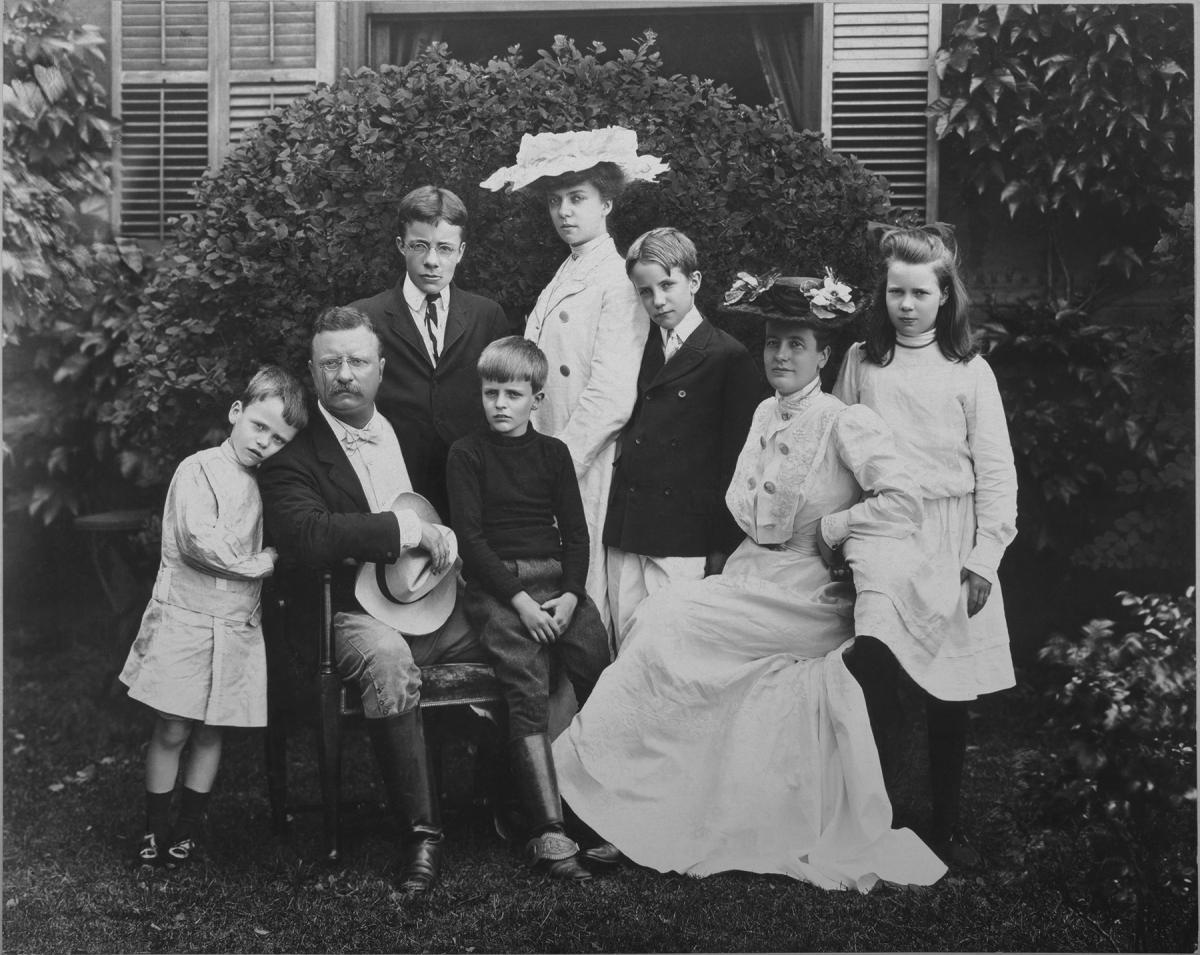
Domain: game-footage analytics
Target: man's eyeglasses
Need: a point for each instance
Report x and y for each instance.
(444, 250)
(331, 366)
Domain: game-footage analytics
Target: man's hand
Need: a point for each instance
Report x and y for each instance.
(272, 553)
(541, 626)
(433, 542)
(978, 591)
(562, 610)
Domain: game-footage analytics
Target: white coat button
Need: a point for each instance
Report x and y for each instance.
(786, 416)
(566, 372)
(768, 487)
(751, 482)
(783, 449)
(682, 393)
(563, 316)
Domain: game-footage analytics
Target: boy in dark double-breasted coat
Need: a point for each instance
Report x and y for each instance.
(697, 391)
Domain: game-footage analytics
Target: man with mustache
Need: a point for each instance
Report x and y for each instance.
(326, 505)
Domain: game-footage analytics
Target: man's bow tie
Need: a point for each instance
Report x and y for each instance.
(352, 439)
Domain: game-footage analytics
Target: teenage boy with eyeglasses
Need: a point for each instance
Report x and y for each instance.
(433, 334)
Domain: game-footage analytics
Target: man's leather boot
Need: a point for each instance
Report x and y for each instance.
(549, 849)
(399, 743)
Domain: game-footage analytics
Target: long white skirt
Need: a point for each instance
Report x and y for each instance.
(729, 734)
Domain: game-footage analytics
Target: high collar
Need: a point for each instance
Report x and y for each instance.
(795, 401)
(688, 324)
(414, 298)
(585, 249)
(340, 428)
(917, 341)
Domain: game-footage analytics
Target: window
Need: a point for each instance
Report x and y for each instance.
(190, 78)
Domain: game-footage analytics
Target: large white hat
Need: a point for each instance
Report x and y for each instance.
(408, 594)
(552, 154)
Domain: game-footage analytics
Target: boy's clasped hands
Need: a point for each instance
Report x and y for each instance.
(545, 622)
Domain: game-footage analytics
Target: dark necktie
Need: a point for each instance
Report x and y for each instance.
(431, 323)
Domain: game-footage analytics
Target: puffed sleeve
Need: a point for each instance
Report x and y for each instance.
(606, 402)
(891, 503)
(849, 380)
(213, 542)
(995, 474)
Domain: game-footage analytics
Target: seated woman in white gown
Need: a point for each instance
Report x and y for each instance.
(729, 733)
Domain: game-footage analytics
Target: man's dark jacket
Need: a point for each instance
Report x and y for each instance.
(316, 514)
(429, 407)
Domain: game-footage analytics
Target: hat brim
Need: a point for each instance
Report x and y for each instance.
(514, 178)
(416, 618)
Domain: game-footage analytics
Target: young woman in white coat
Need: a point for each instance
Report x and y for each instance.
(588, 320)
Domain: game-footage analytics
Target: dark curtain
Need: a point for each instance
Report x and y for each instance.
(789, 48)
(397, 42)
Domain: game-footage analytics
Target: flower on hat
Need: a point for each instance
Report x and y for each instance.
(546, 155)
(830, 297)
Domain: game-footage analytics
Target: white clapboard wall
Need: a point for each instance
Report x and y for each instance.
(877, 77)
(190, 77)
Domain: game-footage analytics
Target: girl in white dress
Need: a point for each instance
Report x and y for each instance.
(198, 660)
(729, 733)
(588, 321)
(919, 371)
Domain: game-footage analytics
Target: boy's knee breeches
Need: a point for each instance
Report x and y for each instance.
(523, 666)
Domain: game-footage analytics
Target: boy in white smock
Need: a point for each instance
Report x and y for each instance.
(198, 660)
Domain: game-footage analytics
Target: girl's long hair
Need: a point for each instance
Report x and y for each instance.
(931, 245)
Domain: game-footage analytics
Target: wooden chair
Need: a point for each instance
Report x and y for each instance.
(338, 703)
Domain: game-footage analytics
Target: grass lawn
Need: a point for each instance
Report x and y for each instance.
(73, 813)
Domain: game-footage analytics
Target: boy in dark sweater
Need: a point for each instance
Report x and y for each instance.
(523, 538)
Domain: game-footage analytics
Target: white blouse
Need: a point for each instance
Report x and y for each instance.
(950, 428)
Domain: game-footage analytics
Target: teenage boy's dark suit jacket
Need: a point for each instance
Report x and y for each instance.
(680, 446)
(429, 407)
(316, 514)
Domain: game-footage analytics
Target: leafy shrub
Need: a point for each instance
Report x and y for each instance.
(1101, 417)
(1127, 784)
(1067, 111)
(302, 214)
(66, 286)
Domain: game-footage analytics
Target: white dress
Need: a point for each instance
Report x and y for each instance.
(729, 734)
(199, 653)
(593, 329)
(950, 429)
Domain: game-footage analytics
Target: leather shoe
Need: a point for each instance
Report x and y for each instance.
(556, 855)
(604, 854)
(422, 865)
(957, 852)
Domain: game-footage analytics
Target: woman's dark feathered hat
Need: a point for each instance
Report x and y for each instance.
(825, 302)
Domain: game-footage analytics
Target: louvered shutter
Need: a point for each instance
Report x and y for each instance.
(164, 106)
(877, 80)
(274, 57)
(192, 77)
